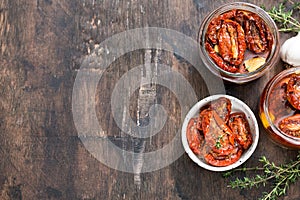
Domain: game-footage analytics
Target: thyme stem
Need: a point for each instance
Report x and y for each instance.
(290, 20)
(283, 176)
(283, 16)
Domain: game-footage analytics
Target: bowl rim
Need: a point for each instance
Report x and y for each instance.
(192, 113)
(236, 77)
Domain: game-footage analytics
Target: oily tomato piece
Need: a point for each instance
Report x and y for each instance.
(241, 129)
(232, 45)
(291, 125)
(194, 137)
(293, 91)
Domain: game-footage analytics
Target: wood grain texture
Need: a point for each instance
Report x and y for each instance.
(43, 44)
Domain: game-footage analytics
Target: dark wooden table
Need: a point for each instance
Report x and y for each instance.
(45, 44)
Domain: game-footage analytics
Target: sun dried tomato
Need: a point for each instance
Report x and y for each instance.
(222, 107)
(258, 36)
(219, 60)
(232, 45)
(293, 91)
(291, 125)
(215, 24)
(241, 129)
(231, 33)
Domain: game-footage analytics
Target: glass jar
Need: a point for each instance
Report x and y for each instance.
(275, 107)
(269, 60)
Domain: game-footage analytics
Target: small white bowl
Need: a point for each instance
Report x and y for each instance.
(237, 105)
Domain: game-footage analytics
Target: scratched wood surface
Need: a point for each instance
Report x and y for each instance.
(43, 46)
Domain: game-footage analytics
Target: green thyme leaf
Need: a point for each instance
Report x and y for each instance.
(282, 176)
(283, 16)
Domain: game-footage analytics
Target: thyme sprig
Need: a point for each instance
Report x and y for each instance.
(283, 15)
(281, 176)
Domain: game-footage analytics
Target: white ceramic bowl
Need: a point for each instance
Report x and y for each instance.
(237, 105)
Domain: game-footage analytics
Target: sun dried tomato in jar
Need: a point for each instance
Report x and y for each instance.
(279, 116)
(234, 32)
(239, 42)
